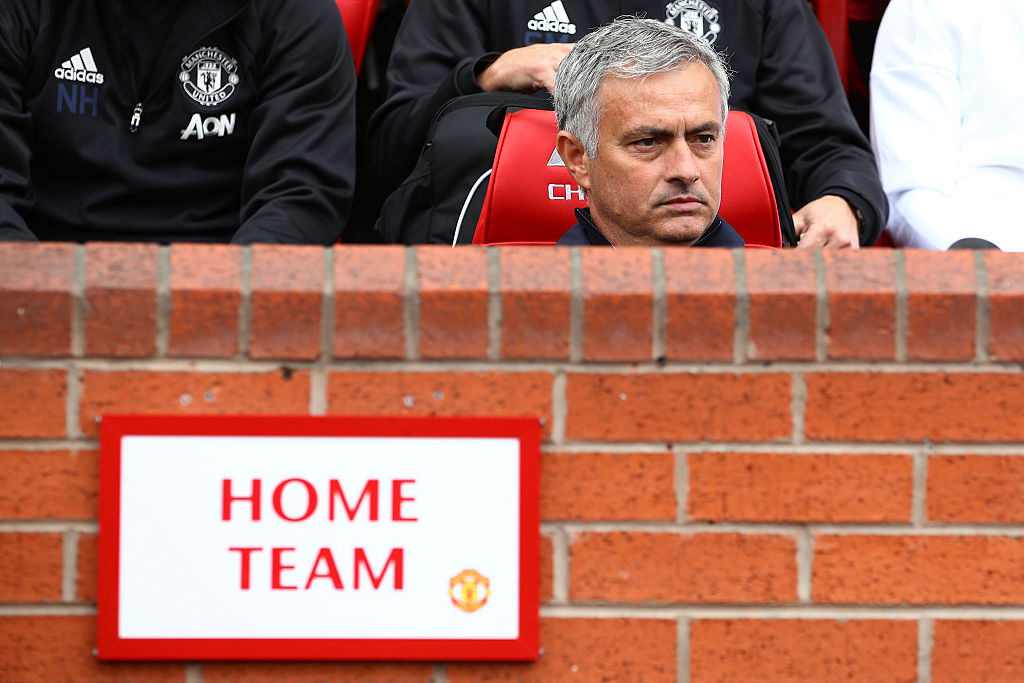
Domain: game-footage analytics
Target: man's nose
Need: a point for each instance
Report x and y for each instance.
(682, 164)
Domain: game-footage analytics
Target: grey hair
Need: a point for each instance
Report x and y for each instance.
(631, 48)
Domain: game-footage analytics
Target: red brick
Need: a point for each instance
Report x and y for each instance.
(662, 407)
(87, 580)
(608, 486)
(547, 570)
(287, 300)
(584, 650)
(937, 406)
(966, 488)
(802, 650)
(184, 393)
(942, 304)
(206, 293)
(976, 651)
(36, 298)
(919, 570)
(120, 294)
(369, 302)
(692, 568)
(783, 304)
(1006, 305)
(32, 403)
(453, 302)
(512, 394)
(536, 293)
(320, 672)
(769, 487)
(49, 485)
(861, 288)
(60, 650)
(618, 304)
(31, 568)
(700, 294)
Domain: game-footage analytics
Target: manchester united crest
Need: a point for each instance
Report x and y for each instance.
(695, 16)
(209, 76)
(469, 590)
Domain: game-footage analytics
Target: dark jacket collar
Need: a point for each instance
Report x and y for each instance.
(718, 234)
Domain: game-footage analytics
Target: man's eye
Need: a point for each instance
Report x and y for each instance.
(646, 142)
(705, 139)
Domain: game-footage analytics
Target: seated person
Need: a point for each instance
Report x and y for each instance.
(946, 122)
(784, 71)
(190, 120)
(641, 109)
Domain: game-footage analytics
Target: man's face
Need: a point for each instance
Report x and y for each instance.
(657, 176)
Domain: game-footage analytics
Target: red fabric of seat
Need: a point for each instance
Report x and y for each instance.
(531, 196)
(359, 17)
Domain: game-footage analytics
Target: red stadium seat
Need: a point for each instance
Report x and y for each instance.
(531, 196)
(359, 17)
(834, 17)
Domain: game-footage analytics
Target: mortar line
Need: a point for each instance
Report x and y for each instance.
(741, 331)
(61, 527)
(695, 612)
(804, 566)
(245, 307)
(439, 673)
(798, 408)
(559, 567)
(902, 306)
(318, 373)
(659, 306)
(494, 311)
(821, 342)
(682, 475)
(193, 672)
(925, 642)
(163, 300)
(559, 407)
(73, 398)
(683, 650)
(78, 303)
(69, 562)
(412, 306)
(919, 509)
(577, 309)
(983, 329)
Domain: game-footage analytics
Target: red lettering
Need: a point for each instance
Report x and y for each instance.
(371, 489)
(332, 569)
(397, 500)
(277, 568)
(245, 554)
(228, 499)
(396, 557)
(310, 500)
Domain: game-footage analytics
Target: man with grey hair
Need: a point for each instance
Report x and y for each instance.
(641, 109)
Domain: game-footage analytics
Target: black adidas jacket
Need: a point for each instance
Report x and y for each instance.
(783, 63)
(585, 233)
(246, 129)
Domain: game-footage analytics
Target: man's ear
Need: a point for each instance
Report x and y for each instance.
(576, 159)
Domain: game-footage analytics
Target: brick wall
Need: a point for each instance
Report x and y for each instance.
(756, 465)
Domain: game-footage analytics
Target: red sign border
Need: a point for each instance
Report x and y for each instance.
(110, 646)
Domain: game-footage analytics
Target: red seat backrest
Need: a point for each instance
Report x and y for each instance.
(359, 17)
(531, 196)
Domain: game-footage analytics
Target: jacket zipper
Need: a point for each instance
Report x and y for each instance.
(135, 122)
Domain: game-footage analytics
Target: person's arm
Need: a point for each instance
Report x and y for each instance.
(824, 153)
(915, 121)
(439, 50)
(15, 125)
(298, 181)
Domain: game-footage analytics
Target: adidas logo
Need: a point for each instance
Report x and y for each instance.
(556, 159)
(552, 18)
(81, 68)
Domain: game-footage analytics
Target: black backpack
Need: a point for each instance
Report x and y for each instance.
(459, 151)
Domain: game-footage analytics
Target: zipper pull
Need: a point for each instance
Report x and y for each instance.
(136, 119)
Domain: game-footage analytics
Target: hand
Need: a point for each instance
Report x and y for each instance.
(827, 222)
(525, 69)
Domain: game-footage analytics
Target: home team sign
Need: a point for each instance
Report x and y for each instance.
(318, 538)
